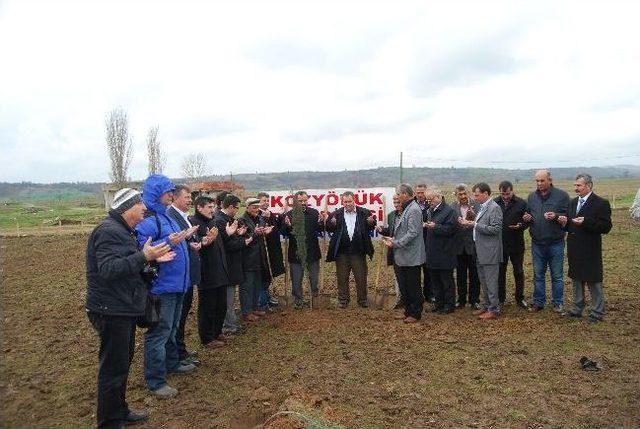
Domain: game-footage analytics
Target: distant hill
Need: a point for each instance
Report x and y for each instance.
(383, 176)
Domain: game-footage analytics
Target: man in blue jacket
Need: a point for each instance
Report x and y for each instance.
(160, 348)
(116, 292)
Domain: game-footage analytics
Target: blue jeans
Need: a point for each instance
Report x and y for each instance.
(551, 255)
(265, 296)
(160, 348)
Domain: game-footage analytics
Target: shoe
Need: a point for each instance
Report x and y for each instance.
(447, 310)
(259, 313)
(343, 305)
(183, 369)
(363, 304)
(215, 344)
(190, 360)
(476, 305)
(479, 312)
(273, 302)
(165, 392)
(134, 417)
(557, 308)
(594, 319)
(522, 304)
(410, 319)
(222, 337)
(250, 318)
(298, 305)
(436, 309)
(400, 316)
(535, 308)
(569, 314)
(488, 315)
(460, 304)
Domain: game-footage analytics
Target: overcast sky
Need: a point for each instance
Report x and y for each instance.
(275, 86)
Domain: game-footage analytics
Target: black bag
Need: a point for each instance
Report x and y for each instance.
(151, 312)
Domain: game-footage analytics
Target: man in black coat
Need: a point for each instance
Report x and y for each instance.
(440, 247)
(588, 217)
(179, 211)
(214, 279)
(116, 297)
(421, 199)
(252, 262)
(312, 222)
(271, 248)
(513, 227)
(349, 246)
(234, 243)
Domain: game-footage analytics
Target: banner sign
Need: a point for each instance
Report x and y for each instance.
(378, 200)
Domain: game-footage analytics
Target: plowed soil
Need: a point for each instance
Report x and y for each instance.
(324, 367)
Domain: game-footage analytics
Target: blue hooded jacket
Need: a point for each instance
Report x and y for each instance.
(173, 276)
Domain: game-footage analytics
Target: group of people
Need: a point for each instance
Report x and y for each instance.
(150, 253)
(477, 237)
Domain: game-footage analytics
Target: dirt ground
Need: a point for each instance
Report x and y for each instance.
(330, 367)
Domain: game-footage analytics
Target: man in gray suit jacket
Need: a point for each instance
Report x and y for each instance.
(487, 235)
(408, 253)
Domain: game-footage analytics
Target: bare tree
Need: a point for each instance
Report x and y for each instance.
(157, 159)
(194, 165)
(119, 144)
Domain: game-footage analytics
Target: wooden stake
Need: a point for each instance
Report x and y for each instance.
(382, 246)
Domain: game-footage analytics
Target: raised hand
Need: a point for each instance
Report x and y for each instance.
(231, 228)
(247, 241)
(287, 220)
(167, 257)
(177, 237)
(195, 246)
(152, 253)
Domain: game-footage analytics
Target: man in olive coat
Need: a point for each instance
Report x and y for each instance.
(588, 217)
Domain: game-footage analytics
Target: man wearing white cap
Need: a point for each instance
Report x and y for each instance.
(252, 262)
(116, 296)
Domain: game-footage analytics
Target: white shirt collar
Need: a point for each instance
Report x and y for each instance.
(586, 197)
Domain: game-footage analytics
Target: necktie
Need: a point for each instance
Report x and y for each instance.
(580, 204)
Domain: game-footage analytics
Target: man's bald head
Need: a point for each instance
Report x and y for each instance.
(543, 180)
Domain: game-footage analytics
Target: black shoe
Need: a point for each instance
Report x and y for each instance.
(569, 314)
(343, 305)
(446, 311)
(363, 304)
(594, 319)
(436, 309)
(522, 304)
(134, 417)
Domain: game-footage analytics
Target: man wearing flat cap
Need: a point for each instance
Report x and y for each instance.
(116, 296)
(252, 261)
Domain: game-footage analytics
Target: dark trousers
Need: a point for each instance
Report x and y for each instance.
(517, 262)
(345, 263)
(467, 270)
(409, 284)
(117, 342)
(427, 289)
(443, 288)
(186, 308)
(212, 309)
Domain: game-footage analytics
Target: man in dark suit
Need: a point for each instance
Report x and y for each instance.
(179, 211)
(302, 225)
(212, 293)
(349, 246)
(588, 217)
(513, 209)
(421, 198)
(466, 209)
(440, 250)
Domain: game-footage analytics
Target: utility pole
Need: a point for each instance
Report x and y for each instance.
(401, 168)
